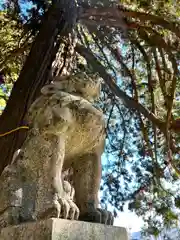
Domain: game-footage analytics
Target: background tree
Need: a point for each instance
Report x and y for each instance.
(135, 48)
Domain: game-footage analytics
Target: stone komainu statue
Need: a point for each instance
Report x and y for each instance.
(66, 131)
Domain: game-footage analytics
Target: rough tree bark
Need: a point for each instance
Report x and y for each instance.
(58, 22)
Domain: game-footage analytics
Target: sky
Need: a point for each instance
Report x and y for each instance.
(129, 220)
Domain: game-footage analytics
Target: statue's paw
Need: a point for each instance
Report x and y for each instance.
(91, 216)
(69, 210)
(57, 208)
(74, 210)
(98, 216)
(65, 208)
(52, 211)
(106, 217)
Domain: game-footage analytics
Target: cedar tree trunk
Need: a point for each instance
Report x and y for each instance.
(58, 22)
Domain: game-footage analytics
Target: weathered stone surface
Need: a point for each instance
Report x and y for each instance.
(66, 130)
(60, 229)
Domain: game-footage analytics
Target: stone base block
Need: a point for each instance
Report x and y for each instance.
(60, 229)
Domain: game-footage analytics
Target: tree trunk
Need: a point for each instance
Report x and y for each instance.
(58, 21)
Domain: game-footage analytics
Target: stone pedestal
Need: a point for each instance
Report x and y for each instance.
(60, 229)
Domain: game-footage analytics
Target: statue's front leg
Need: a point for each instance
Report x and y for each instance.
(87, 177)
(56, 163)
(69, 191)
(64, 192)
(52, 199)
(50, 187)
